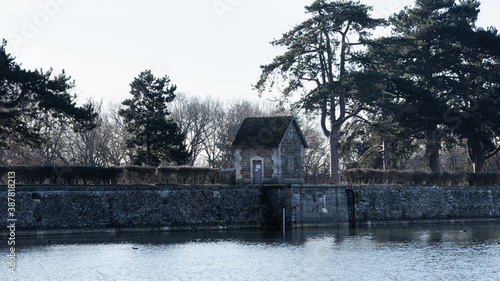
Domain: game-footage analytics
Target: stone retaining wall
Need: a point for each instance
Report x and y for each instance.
(82, 209)
(420, 204)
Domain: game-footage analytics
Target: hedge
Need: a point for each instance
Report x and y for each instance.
(187, 175)
(409, 177)
(82, 175)
(140, 174)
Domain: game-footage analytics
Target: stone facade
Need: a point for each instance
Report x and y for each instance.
(280, 150)
(291, 153)
(245, 158)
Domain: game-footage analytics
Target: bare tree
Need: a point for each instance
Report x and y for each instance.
(210, 126)
(117, 151)
(194, 117)
(101, 146)
(316, 160)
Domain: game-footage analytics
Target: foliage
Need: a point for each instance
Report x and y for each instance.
(63, 175)
(315, 62)
(187, 175)
(140, 174)
(437, 67)
(32, 102)
(167, 174)
(155, 138)
(85, 175)
(427, 92)
(408, 177)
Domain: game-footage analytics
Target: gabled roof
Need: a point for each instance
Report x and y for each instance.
(265, 131)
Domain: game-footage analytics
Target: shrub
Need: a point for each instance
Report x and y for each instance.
(81, 174)
(403, 177)
(28, 174)
(482, 179)
(210, 176)
(370, 176)
(185, 175)
(22, 174)
(167, 175)
(66, 175)
(41, 174)
(110, 175)
(140, 174)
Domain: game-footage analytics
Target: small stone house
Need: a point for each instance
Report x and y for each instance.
(269, 150)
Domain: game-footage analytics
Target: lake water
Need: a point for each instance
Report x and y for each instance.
(451, 252)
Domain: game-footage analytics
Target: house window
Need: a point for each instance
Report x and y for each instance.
(290, 133)
(290, 163)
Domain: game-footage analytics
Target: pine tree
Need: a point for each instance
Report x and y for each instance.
(315, 64)
(32, 102)
(155, 137)
(438, 65)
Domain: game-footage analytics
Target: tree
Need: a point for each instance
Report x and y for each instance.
(438, 65)
(473, 93)
(155, 138)
(198, 121)
(105, 145)
(210, 125)
(116, 135)
(316, 59)
(33, 102)
(379, 126)
(316, 162)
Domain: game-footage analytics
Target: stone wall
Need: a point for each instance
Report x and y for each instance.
(318, 205)
(291, 155)
(305, 205)
(420, 204)
(54, 209)
(76, 209)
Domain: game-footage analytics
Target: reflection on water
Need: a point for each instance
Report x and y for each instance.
(452, 252)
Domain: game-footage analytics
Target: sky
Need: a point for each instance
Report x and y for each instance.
(207, 47)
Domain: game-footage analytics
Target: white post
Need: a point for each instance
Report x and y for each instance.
(283, 220)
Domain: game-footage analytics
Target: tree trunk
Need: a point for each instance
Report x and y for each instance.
(148, 155)
(477, 158)
(478, 165)
(334, 154)
(433, 146)
(386, 155)
(434, 159)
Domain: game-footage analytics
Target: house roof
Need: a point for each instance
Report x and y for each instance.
(265, 131)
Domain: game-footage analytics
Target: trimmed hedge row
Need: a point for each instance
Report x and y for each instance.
(109, 175)
(408, 177)
(187, 175)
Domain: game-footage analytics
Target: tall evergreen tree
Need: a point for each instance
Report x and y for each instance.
(427, 62)
(155, 137)
(474, 95)
(32, 102)
(316, 59)
(385, 138)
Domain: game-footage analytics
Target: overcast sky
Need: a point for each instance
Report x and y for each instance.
(206, 47)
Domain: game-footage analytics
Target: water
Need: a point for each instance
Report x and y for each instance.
(453, 252)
